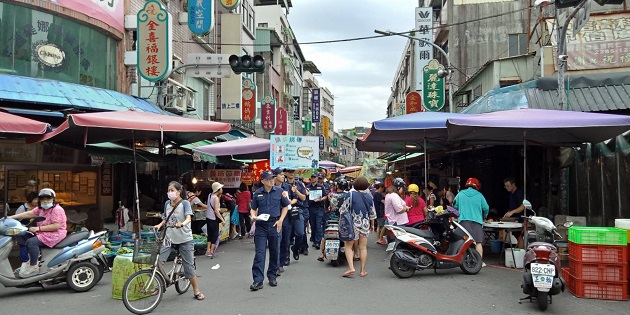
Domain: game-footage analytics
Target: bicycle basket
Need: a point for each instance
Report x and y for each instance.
(145, 252)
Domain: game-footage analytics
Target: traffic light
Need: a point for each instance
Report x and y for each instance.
(247, 64)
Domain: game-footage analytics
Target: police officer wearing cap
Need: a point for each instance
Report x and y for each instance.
(316, 209)
(293, 224)
(267, 200)
(279, 181)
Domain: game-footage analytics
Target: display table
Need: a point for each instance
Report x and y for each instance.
(508, 228)
(122, 269)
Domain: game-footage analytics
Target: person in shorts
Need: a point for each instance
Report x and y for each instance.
(473, 209)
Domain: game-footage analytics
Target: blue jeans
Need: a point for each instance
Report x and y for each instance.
(316, 219)
(288, 228)
(266, 235)
(29, 248)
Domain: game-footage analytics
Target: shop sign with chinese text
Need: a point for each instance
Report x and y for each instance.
(315, 102)
(229, 178)
(200, 16)
(308, 126)
(603, 43)
(268, 113)
(322, 142)
(154, 42)
(281, 121)
(296, 108)
(228, 4)
(248, 108)
(413, 102)
(294, 152)
(433, 87)
(258, 167)
(325, 126)
(423, 52)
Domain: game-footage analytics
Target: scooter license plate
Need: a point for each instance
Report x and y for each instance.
(390, 246)
(542, 275)
(332, 249)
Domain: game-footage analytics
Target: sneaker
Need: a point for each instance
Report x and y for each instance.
(23, 267)
(483, 264)
(29, 271)
(281, 269)
(256, 286)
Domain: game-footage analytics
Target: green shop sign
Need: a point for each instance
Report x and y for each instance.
(432, 86)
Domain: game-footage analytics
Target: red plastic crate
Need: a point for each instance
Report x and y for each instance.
(566, 275)
(598, 271)
(602, 290)
(598, 253)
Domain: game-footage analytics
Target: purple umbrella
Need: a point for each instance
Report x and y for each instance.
(246, 148)
(547, 127)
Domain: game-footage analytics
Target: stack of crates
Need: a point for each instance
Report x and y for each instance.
(598, 263)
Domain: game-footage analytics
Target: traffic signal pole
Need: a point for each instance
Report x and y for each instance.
(448, 62)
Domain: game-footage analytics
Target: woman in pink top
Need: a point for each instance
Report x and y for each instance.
(243, 201)
(418, 208)
(395, 207)
(49, 232)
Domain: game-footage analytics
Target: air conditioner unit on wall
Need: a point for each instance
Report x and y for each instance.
(175, 99)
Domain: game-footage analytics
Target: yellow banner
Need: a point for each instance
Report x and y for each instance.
(325, 121)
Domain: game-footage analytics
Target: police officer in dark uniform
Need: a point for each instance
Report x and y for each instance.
(279, 181)
(316, 209)
(267, 200)
(295, 226)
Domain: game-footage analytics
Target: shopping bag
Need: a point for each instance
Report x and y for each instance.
(234, 216)
(253, 229)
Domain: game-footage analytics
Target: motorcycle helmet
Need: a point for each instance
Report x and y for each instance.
(413, 188)
(474, 183)
(46, 193)
(342, 183)
(399, 183)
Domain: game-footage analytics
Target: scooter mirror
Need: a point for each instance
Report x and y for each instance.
(568, 224)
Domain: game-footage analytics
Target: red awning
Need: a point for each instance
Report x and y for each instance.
(14, 124)
(117, 125)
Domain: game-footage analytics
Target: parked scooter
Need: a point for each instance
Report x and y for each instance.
(541, 265)
(416, 248)
(333, 246)
(76, 260)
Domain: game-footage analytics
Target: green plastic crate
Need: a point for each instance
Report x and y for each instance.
(597, 235)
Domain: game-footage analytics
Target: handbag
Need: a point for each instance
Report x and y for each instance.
(234, 217)
(346, 225)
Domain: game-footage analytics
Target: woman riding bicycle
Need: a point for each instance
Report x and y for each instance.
(180, 237)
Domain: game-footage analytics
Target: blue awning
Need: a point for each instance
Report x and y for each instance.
(32, 112)
(69, 95)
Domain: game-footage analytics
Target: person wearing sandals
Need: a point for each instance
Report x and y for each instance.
(180, 237)
(213, 217)
(363, 212)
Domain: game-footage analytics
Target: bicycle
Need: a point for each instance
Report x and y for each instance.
(146, 287)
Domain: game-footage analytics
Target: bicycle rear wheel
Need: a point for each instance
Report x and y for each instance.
(181, 283)
(142, 293)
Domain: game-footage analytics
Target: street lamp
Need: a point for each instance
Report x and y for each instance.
(562, 56)
(448, 62)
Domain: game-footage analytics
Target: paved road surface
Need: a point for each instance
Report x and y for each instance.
(312, 287)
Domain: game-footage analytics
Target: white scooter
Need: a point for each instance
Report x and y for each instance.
(76, 260)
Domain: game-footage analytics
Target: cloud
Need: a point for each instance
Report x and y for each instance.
(358, 73)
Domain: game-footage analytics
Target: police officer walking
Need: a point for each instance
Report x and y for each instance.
(279, 181)
(267, 200)
(316, 209)
(296, 227)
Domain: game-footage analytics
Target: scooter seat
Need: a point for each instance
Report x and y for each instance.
(73, 239)
(421, 233)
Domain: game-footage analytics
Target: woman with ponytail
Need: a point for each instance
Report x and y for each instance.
(417, 206)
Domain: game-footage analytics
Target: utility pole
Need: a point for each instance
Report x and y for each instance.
(562, 56)
(448, 62)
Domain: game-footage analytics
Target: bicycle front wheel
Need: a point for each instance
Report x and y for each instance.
(181, 283)
(142, 292)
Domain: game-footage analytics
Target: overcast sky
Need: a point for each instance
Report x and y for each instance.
(358, 73)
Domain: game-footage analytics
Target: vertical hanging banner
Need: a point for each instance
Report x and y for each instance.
(155, 59)
(248, 105)
(296, 108)
(281, 121)
(322, 142)
(268, 113)
(315, 105)
(433, 90)
(413, 102)
(200, 16)
(423, 52)
(325, 122)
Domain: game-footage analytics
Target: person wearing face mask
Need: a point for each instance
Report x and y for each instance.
(49, 232)
(177, 215)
